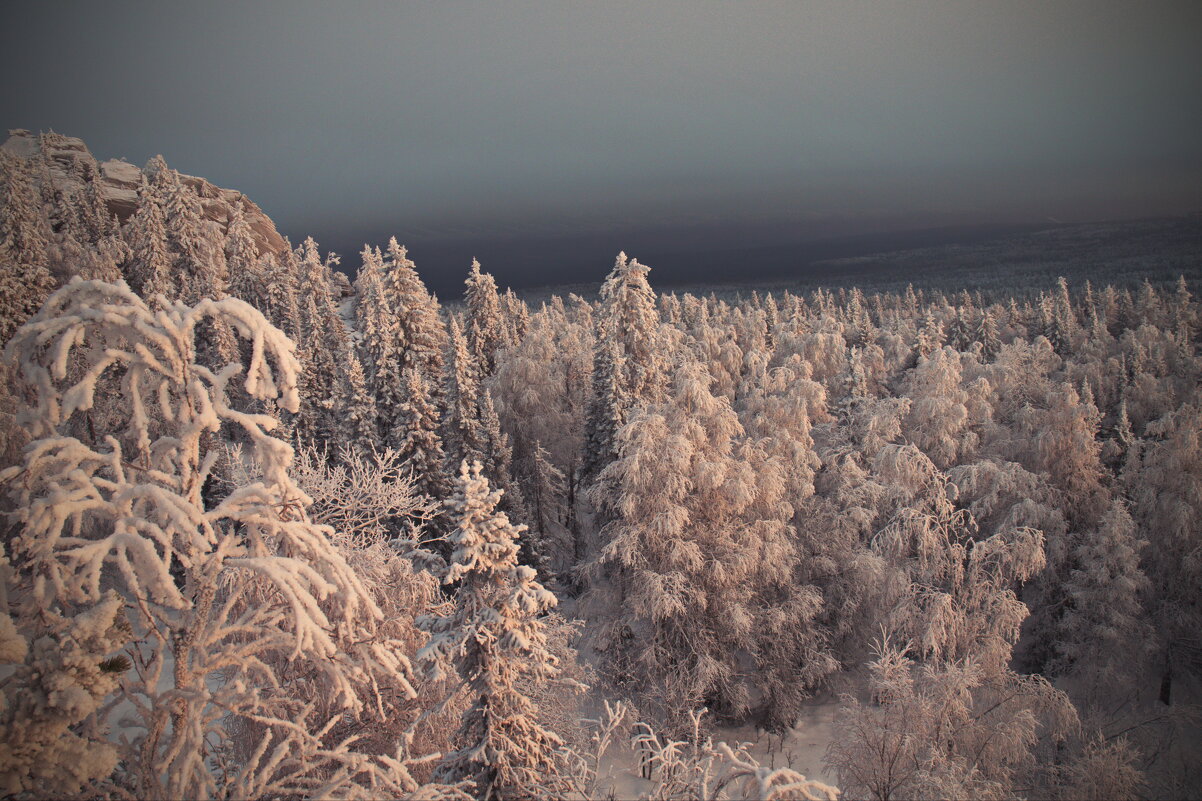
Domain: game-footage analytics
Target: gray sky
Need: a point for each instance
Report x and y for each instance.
(459, 121)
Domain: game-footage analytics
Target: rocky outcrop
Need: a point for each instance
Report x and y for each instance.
(68, 158)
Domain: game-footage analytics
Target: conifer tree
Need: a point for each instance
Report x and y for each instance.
(247, 279)
(930, 335)
(25, 280)
(629, 368)
(420, 444)
(148, 266)
(958, 334)
(283, 292)
(987, 335)
(464, 438)
(402, 330)
(357, 409)
(548, 488)
(483, 325)
(495, 639)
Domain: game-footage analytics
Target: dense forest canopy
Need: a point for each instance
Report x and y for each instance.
(270, 534)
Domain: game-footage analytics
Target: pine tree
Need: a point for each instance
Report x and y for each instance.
(495, 639)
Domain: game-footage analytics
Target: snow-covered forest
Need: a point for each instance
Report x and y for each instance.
(271, 534)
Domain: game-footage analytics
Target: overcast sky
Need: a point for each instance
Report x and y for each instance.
(462, 121)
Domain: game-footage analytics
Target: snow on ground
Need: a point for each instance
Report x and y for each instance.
(801, 749)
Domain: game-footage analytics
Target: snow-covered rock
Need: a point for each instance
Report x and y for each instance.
(120, 180)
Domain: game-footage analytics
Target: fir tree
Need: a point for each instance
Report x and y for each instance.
(420, 445)
(148, 266)
(987, 335)
(464, 438)
(484, 326)
(495, 639)
(629, 368)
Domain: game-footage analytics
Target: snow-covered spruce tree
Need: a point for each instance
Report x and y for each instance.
(630, 365)
(198, 259)
(484, 326)
(547, 491)
(247, 278)
(420, 444)
(464, 435)
(987, 334)
(498, 465)
(148, 266)
(57, 673)
(930, 335)
(324, 342)
(24, 239)
(409, 334)
(494, 637)
(515, 318)
(215, 593)
(283, 292)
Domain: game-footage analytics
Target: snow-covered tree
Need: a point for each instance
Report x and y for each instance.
(223, 589)
(148, 266)
(24, 239)
(945, 730)
(1103, 631)
(484, 326)
(401, 330)
(420, 444)
(57, 671)
(248, 279)
(1165, 487)
(357, 407)
(630, 363)
(464, 437)
(494, 637)
(698, 540)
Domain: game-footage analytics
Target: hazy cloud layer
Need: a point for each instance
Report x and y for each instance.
(452, 121)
